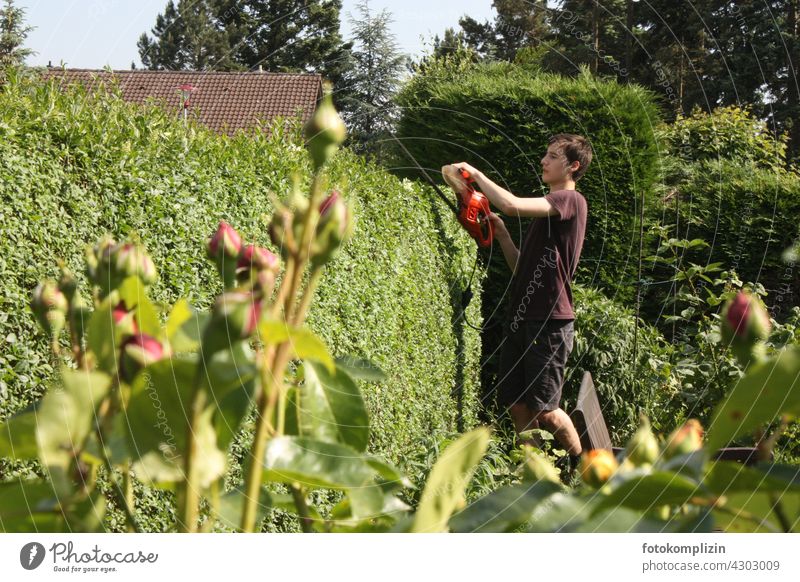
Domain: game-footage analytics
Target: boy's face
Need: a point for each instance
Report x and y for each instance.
(555, 167)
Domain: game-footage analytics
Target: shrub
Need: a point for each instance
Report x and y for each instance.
(730, 133)
(746, 212)
(724, 181)
(627, 386)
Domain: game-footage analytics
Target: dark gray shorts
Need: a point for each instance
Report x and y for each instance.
(532, 361)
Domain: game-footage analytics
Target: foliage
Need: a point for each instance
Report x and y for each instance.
(732, 133)
(187, 36)
(13, 33)
(279, 35)
(745, 212)
(517, 25)
(676, 485)
(162, 403)
(147, 175)
(369, 87)
(688, 315)
(628, 382)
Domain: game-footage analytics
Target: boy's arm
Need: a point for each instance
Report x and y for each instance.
(502, 236)
(505, 201)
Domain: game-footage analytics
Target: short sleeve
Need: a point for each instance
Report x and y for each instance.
(565, 202)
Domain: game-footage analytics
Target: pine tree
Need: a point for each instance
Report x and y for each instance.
(592, 33)
(290, 36)
(188, 36)
(451, 43)
(276, 35)
(518, 24)
(13, 33)
(370, 86)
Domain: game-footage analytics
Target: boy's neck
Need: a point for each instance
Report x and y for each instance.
(566, 185)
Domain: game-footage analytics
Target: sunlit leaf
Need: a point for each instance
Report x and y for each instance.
(503, 510)
(331, 408)
(766, 391)
(304, 344)
(444, 491)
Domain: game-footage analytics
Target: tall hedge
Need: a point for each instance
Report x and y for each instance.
(749, 217)
(726, 182)
(498, 117)
(74, 166)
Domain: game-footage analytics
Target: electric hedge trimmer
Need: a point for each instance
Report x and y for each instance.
(471, 208)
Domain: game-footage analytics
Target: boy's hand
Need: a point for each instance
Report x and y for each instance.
(474, 172)
(498, 225)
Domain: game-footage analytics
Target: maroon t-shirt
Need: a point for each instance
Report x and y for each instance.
(548, 259)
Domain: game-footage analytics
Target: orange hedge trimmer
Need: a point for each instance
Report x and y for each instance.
(472, 208)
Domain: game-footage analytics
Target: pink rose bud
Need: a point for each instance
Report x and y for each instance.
(138, 351)
(98, 263)
(50, 307)
(257, 259)
(281, 226)
(745, 325)
(684, 439)
(124, 319)
(225, 242)
(334, 228)
(234, 318)
(130, 260)
(264, 283)
(328, 203)
(224, 248)
(325, 130)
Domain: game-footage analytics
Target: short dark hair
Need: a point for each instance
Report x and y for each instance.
(576, 148)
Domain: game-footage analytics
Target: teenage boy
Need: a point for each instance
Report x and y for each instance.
(539, 332)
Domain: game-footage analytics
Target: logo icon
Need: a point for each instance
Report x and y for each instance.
(31, 555)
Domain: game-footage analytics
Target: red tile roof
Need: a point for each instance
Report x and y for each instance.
(225, 102)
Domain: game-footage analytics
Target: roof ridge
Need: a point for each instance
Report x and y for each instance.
(185, 72)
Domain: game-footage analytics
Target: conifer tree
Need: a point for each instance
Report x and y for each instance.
(13, 33)
(370, 86)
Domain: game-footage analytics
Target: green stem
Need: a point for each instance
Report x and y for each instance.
(119, 495)
(308, 296)
(299, 496)
(274, 363)
(215, 502)
(190, 498)
(127, 481)
(281, 298)
(777, 508)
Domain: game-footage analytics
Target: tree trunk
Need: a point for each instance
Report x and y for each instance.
(629, 39)
(793, 91)
(596, 36)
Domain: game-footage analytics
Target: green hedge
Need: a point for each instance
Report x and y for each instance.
(749, 216)
(498, 117)
(75, 166)
(726, 182)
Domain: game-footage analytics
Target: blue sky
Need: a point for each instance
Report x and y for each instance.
(94, 33)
